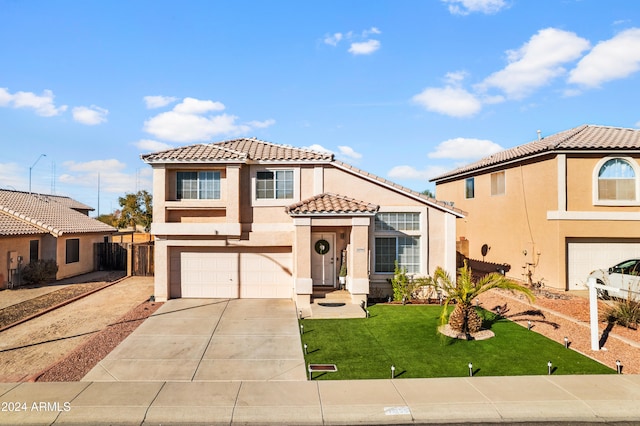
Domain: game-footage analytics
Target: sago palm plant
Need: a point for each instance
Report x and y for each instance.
(464, 318)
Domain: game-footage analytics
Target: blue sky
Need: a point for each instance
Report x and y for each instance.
(403, 89)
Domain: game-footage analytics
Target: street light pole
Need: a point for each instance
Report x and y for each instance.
(31, 168)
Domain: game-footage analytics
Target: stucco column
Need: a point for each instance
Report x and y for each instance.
(161, 270)
(302, 282)
(159, 195)
(358, 266)
(233, 193)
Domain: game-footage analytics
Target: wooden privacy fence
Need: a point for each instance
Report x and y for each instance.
(136, 259)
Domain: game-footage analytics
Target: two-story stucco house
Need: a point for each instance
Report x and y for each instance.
(250, 219)
(558, 207)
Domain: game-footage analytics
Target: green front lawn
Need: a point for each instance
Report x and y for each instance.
(406, 337)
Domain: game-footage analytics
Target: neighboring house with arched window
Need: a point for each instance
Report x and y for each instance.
(559, 207)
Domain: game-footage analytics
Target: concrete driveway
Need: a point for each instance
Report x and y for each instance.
(208, 340)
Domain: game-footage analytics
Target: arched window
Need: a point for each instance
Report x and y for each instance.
(617, 180)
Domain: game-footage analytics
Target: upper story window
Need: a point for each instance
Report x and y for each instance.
(498, 183)
(469, 188)
(274, 185)
(198, 185)
(616, 180)
(405, 221)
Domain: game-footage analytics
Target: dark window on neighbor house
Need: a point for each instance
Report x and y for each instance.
(469, 188)
(34, 250)
(497, 183)
(198, 185)
(72, 250)
(616, 180)
(277, 184)
(404, 250)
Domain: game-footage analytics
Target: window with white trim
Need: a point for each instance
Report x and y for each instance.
(405, 250)
(204, 185)
(617, 180)
(498, 183)
(397, 239)
(274, 184)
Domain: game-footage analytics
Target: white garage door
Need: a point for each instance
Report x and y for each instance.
(224, 274)
(586, 256)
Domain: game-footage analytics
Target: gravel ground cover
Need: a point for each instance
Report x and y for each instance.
(25, 309)
(558, 315)
(78, 363)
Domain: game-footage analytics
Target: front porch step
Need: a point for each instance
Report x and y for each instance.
(331, 295)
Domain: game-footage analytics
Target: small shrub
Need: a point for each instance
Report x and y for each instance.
(403, 286)
(39, 271)
(623, 312)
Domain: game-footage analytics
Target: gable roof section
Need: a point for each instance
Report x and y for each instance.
(238, 150)
(247, 150)
(441, 205)
(45, 214)
(330, 204)
(587, 138)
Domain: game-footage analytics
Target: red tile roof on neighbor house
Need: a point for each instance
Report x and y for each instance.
(45, 214)
(238, 150)
(329, 203)
(583, 138)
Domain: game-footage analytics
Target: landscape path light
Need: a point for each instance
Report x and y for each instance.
(618, 366)
(393, 371)
(529, 325)
(566, 342)
(305, 349)
(549, 365)
(470, 369)
(301, 329)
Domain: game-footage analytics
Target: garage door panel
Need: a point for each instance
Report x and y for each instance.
(585, 256)
(222, 274)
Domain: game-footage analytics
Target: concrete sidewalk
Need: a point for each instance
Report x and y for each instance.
(483, 400)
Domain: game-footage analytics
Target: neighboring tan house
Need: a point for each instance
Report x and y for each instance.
(558, 207)
(250, 219)
(37, 226)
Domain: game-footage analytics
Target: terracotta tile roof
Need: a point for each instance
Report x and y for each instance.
(240, 150)
(583, 138)
(10, 226)
(48, 214)
(331, 203)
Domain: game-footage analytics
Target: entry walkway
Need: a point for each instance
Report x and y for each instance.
(210, 339)
(478, 400)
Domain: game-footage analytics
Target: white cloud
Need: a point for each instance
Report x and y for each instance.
(612, 59)
(364, 48)
(12, 176)
(262, 124)
(197, 106)
(158, 101)
(43, 105)
(90, 115)
(536, 63)
(95, 165)
(333, 39)
(187, 122)
(372, 30)
(411, 173)
(453, 101)
(465, 7)
(347, 151)
(149, 145)
(113, 178)
(465, 148)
